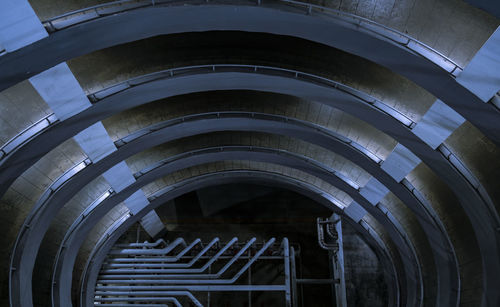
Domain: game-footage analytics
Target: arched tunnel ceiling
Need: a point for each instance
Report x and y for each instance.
(386, 112)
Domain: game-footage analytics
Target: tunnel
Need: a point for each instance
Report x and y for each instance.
(250, 153)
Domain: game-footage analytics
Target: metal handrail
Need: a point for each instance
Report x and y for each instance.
(462, 169)
(27, 134)
(267, 70)
(255, 115)
(367, 25)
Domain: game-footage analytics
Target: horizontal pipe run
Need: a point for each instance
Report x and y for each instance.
(131, 305)
(197, 281)
(166, 300)
(142, 261)
(201, 288)
(172, 276)
(144, 299)
(186, 271)
(154, 299)
(162, 251)
(144, 244)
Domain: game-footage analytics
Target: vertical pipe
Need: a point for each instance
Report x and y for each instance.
(208, 292)
(286, 251)
(340, 291)
(294, 277)
(249, 279)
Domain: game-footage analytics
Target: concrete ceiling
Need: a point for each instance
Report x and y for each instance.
(386, 112)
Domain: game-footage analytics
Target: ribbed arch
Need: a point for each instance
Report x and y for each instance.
(362, 38)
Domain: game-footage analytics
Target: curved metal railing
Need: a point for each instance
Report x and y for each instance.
(254, 115)
(27, 134)
(267, 70)
(366, 25)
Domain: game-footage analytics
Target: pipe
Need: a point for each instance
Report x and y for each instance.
(144, 244)
(321, 237)
(167, 300)
(166, 265)
(157, 259)
(154, 299)
(193, 281)
(197, 270)
(161, 251)
(187, 275)
(194, 288)
(133, 305)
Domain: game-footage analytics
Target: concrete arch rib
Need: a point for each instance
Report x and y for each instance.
(201, 157)
(153, 90)
(27, 246)
(223, 177)
(130, 26)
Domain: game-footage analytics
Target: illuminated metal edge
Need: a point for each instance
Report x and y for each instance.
(267, 70)
(63, 247)
(97, 255)
(495, 101)
(26, 135)
(456, 288)
(57, 185)
(460, 166)
(373, 28)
